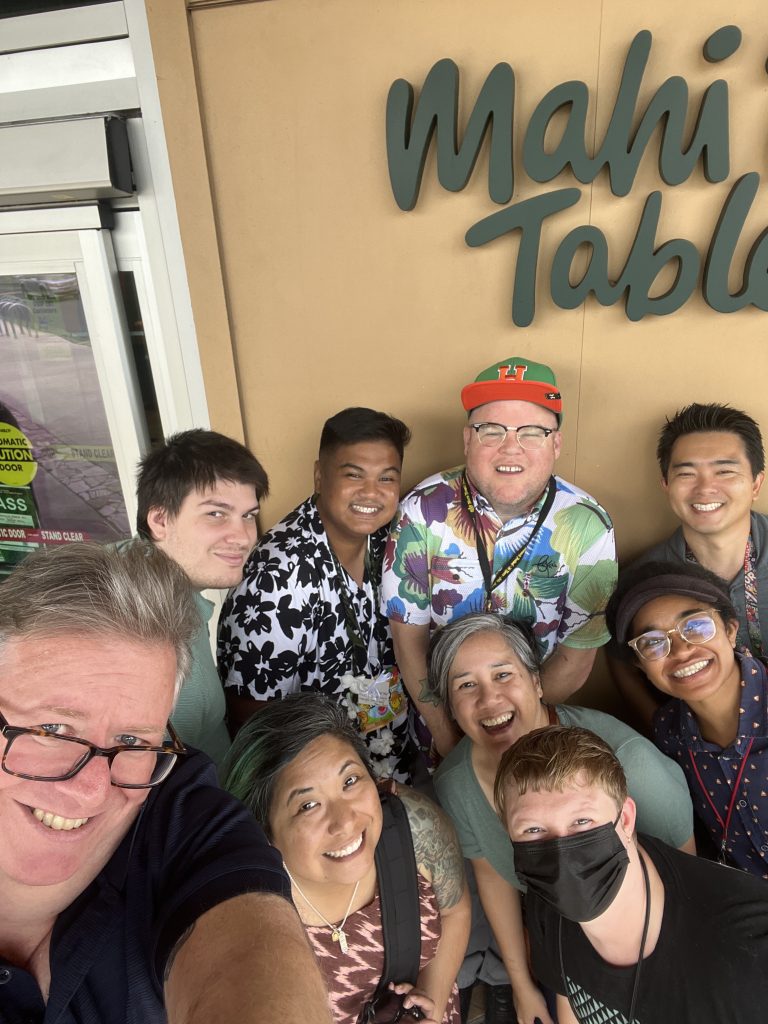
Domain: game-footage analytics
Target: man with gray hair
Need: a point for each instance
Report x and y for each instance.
(132, 887)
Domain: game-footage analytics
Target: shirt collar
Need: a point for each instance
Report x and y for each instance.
(485, 508)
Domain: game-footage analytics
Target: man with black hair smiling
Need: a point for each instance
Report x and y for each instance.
(306, 616)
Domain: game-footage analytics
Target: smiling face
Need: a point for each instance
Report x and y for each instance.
(554, 814)
(109, 691)
(357, 488)
(691, 672)
(212, 535)
(511, 478)
(710, 484)
(494, 698)
(325, 816)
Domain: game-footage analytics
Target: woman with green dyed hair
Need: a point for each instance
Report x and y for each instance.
(484, 669)
(304, 772)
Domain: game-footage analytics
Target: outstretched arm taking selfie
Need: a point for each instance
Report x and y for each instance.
(245, 960)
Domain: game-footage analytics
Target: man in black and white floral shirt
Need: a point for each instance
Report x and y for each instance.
(306, 615)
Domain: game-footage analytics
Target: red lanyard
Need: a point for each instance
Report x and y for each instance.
(724, 825)
(751, 606)
(750, 601)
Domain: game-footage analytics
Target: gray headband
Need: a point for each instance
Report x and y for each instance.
(663, 586)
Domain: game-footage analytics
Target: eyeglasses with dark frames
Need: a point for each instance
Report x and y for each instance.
(698, 628)
(530, 435)
(42, 756)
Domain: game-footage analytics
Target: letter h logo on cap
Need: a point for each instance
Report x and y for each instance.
(518, 372)
(514, 379)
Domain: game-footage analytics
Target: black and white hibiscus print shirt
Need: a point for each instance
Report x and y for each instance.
(283, 629)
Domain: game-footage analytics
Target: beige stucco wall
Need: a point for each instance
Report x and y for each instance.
(335, 296)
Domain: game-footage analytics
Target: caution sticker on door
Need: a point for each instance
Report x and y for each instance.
(17, 462)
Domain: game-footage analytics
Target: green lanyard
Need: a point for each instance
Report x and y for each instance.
(360, 653)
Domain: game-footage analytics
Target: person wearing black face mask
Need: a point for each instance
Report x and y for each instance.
(579, 875)
(622, 930)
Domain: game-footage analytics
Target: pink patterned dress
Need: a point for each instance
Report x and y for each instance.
(352, 977)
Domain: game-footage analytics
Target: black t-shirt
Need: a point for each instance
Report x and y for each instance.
(193, 846)
(710, 964)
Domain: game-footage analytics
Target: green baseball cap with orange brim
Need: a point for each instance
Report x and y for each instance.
(515, 380)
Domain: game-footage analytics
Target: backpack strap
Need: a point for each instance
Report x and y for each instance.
(399, 900)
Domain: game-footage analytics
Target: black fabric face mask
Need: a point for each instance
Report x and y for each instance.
(579, 875)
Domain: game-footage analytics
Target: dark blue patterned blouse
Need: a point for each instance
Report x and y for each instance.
(676, 733)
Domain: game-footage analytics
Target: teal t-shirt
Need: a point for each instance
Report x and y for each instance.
(655, 783)
(199, 715)
(200, 711)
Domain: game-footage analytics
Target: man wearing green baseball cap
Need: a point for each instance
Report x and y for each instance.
(502, 534)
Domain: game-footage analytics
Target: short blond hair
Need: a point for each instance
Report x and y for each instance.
(547, 759)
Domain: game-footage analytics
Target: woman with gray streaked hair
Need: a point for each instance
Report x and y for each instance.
(305, 772)
(485, 670)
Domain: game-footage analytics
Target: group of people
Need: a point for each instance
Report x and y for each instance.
(364, 638)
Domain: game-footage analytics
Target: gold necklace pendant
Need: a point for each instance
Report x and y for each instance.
(337, 932)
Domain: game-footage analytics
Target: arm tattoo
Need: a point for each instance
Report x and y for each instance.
(436, 846)
(427, 696)
(172, 955)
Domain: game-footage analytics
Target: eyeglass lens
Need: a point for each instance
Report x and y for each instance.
(49, 758)
(493, 434)
(656, 644)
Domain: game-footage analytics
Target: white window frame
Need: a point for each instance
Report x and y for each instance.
(90, 255)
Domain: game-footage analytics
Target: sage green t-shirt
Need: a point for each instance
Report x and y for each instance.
(200, 711)
(655, 783)
(201, 708)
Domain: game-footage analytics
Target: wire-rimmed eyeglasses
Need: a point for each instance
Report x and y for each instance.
(42, 756)
(529, 436)
(694, 629)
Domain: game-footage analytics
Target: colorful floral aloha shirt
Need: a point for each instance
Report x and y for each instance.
(560, 588)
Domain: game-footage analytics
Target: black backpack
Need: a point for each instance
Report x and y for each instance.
(400, 911)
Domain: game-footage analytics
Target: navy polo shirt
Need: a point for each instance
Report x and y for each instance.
(192, 847)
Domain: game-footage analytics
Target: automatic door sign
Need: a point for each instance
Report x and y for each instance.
(17, 463)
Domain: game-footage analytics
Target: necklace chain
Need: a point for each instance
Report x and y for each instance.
(337, 930)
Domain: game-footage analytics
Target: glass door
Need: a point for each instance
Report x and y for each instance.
(73, 422)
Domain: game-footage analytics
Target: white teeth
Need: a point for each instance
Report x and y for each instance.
(367, 509)
(709, 507)
(690, 670)
(56, 822)
(498, 720)
(353, 846)
(509, 469)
